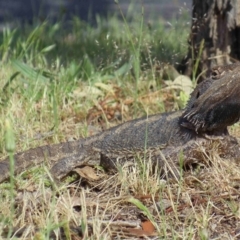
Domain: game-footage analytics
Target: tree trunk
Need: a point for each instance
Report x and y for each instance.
(215, 26)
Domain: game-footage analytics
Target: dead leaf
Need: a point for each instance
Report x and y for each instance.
(182, 83)
(87, 172)
(143, 197)
(139, 232)
(148, 227)
(106, 87)
(86, 91)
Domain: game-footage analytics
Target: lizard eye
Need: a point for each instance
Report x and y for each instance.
(215, 74)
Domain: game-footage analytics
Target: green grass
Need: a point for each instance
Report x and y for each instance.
(105, 47)
(49, 65)
(65, 81)
(54, 77)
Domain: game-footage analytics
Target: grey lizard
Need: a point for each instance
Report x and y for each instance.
(161, 136)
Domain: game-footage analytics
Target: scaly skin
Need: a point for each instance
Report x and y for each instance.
(124, 140)
(219, 106)
(155, 136)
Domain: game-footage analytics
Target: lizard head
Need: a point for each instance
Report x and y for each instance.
(214, 103)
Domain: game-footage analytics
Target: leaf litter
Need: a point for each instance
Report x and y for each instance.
(131, 204)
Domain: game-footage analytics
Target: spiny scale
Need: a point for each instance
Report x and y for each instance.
(157, 135)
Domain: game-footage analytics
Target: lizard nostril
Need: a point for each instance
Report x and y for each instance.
(198, 94)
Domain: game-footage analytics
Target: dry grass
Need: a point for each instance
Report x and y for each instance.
(203, 205)
(133, 204)
(78, 100)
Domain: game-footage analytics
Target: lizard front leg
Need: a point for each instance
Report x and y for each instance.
(65, 165)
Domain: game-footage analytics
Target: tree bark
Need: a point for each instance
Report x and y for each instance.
(215, 24)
